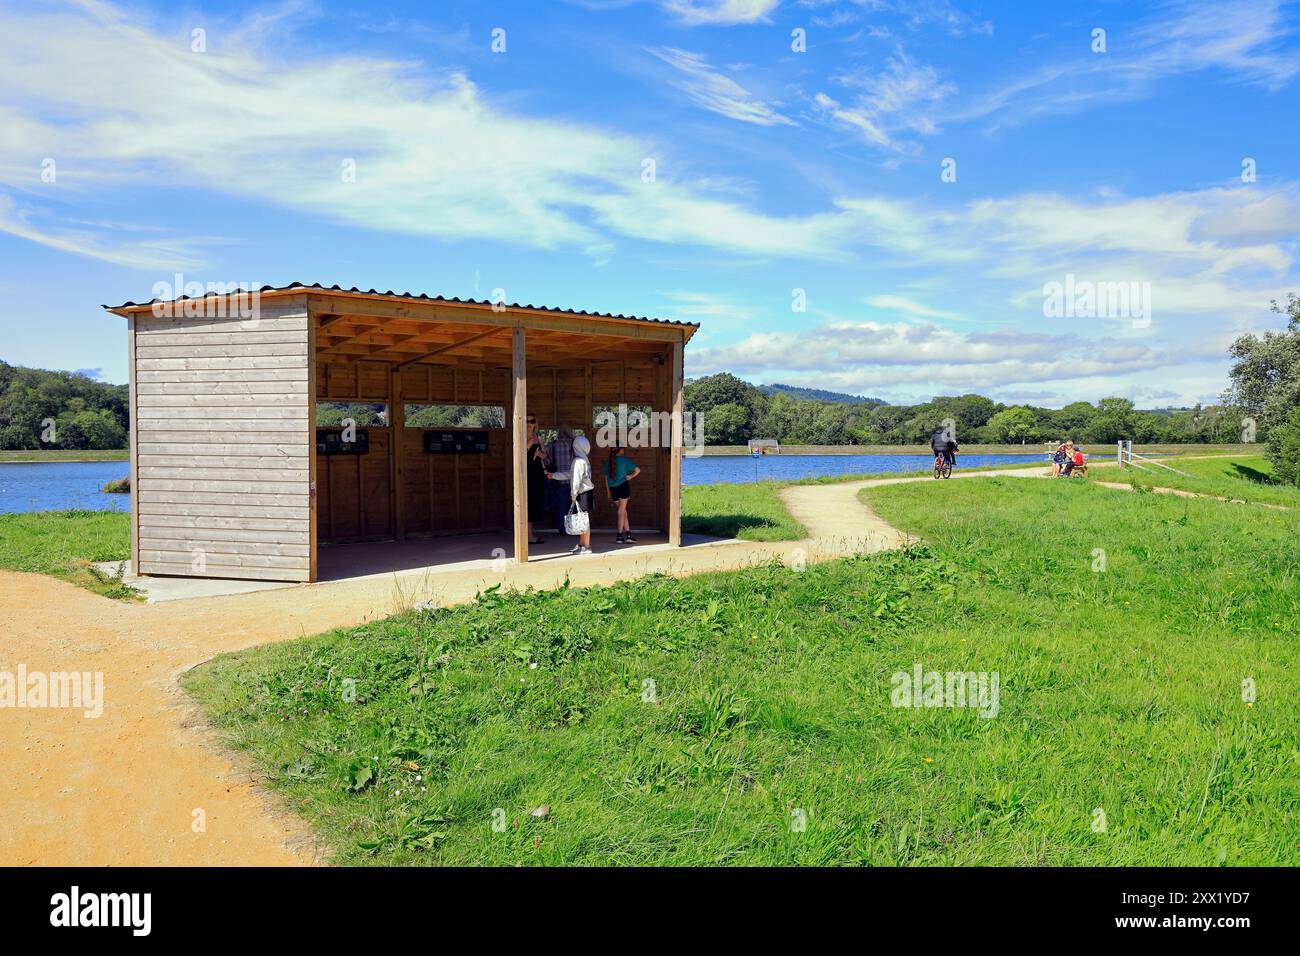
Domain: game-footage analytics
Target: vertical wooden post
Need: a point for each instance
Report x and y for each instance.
(133, 422)
(396, 448)
(675, 456)
(312, 533)
(519, 444)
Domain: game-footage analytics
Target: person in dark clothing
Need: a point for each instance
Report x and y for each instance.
(943, 443)
(536, 481)
(559, 461)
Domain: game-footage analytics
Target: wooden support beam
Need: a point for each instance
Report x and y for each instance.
(475, 314)
(134, 437)
(519, 444)
(396, 449)
(313, 533)
(363, 339)
(447, 348)
(675, 458)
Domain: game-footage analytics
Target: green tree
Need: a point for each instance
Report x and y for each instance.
(1114, 420)
(1285, 449)
(1073, 419)
(1017, 424)
(727, 424)
(1265, 384)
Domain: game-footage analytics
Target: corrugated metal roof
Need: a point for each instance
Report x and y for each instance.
(422, 297)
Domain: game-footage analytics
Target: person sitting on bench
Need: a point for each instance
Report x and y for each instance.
(1068, 465)
(1079, 465)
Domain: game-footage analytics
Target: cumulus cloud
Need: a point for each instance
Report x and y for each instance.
(858, 356)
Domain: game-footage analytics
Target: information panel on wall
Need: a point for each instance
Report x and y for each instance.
(456, 443)
(329, 442)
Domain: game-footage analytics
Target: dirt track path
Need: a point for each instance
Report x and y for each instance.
(125, 788)
(838, 522)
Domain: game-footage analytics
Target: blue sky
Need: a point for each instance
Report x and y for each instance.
(777, 166)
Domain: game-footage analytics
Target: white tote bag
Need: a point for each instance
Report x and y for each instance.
(576, 521)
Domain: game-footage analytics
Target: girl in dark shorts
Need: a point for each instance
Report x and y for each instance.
(619, 472)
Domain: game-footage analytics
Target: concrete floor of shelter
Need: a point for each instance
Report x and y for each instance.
(472, 554)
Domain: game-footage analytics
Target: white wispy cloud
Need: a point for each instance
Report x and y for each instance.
(912, 14)
(1221, 250)
(720, 12)
(1245, 39)
(107, 242)
(855, 119)
(715, 307)
(277, 130)
(900, 95)
(898, 303)
(708, 87)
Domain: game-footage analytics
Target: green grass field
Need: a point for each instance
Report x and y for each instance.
(1245, 478)
(746, 718)
(61, 454)
(64, 543)
(752, 511)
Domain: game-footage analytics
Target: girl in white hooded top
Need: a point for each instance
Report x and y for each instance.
(581, 487)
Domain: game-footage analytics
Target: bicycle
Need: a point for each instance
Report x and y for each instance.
(942, 467)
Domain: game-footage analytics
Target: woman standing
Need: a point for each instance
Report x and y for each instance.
(580, 489)
(619, 472)
(536, 481)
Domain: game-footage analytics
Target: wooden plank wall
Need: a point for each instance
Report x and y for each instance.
(567, 396)
(223, 444)
(452, 494)
(353, 492)
(439, 494)
(354, 500)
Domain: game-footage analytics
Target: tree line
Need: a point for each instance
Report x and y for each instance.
(734, 411)
(46, 409)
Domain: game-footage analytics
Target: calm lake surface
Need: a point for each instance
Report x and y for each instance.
(54, 486)
(57, 485)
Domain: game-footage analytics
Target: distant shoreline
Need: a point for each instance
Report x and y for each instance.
(28, 456)
(1037, 448)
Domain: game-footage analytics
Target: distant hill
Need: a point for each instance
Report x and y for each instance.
(819, 395)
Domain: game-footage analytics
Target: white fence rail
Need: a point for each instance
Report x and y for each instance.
(1128, 458)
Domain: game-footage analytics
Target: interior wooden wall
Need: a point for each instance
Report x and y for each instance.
(398, 490)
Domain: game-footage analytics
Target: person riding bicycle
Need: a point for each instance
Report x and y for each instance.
(944, 445)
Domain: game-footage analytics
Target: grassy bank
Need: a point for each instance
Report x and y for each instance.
(60, 454)
(746, 718)
(65, 543)
(753, 511)
(1248, 478)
